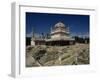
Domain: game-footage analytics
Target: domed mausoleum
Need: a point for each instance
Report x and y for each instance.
(59, 31)
(59, 35)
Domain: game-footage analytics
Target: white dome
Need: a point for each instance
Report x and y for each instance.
(59, 24)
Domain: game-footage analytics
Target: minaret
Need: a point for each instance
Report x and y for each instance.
(51, 29)
(33, 32)
(33, 37)
(68, 30)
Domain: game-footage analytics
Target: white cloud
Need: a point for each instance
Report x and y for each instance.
(29, 34)
(80, 34)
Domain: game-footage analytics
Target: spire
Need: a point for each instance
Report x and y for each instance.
(68, 28)
(51, 29)
(33, 32)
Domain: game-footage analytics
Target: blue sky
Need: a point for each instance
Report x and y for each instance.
(42, 22)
